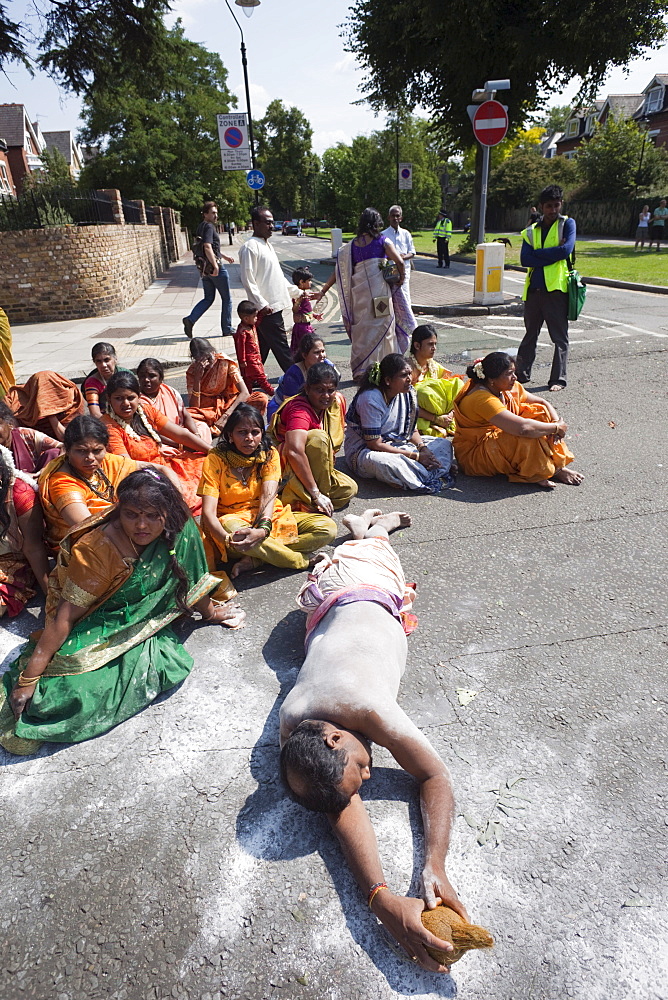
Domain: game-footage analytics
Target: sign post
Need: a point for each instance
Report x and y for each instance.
(405, 177)
(490, 125)
(235, 151)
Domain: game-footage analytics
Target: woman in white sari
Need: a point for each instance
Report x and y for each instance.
(377, 315)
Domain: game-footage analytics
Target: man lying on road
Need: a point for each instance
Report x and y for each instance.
(344, 698)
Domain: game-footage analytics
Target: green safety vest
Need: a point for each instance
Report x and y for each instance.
(556, 275)
(443, 229)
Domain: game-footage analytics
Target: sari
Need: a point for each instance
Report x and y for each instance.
(485, 450)
(145, 447)
(7, 377)
(377, 317)
(169, 402)
(436, 388)
(17, 580)
(33, 450)
(58, 487)
(45, 394)
(210, 394)
(324, 437)
(94, 388)
(122, 654)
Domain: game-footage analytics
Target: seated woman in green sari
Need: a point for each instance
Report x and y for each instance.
(436, 386)
(107, 649)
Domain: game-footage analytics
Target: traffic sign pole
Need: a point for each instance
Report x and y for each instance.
(490, 125)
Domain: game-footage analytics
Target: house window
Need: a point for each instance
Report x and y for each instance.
(654, 100)
(570, 154)
(4, 178)
(29, 144)
(572, 128)
(591, 121)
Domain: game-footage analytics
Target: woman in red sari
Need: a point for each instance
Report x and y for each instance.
(216, 388)
(137, 430)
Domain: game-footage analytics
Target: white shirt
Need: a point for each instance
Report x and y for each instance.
(262, 276)
(402, 240)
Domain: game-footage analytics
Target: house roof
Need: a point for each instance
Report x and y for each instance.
(659, 78)
(12, 123)
(624, 104)
(62, 141)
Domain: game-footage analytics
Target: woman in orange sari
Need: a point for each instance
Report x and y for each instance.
(83, 481)
(216, 388)
(48, 402)
(165, 399)
(136, 430)
(503, 429)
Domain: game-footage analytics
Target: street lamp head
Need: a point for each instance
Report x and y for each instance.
(248, 6)
(497, 85)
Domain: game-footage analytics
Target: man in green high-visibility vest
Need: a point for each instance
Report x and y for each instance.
(442, 233)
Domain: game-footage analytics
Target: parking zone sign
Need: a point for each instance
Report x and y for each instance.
(234, 144)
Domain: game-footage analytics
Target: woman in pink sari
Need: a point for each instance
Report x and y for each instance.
(377, 316)
(165, 399)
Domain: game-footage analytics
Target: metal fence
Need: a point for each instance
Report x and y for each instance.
(151, 216)
(56, 207)
(131, 212)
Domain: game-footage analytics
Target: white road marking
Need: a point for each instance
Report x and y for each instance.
(629, 326)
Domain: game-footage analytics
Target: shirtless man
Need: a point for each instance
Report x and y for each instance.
(344, 698)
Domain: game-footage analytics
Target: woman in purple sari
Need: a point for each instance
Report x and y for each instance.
(377, 316)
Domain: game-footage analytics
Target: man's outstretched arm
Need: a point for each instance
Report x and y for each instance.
(399, 914)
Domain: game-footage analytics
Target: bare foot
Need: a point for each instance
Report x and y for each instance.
(243, 566)
(230, 615)
(397, 519)
(568, 476)
(358, 524)
(545, 484)
(556, 387)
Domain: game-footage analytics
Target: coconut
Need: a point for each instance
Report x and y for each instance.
(447, 925)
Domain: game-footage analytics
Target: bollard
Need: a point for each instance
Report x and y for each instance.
(489, 261)
(337, 241)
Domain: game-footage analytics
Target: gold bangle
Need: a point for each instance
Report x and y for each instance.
(375, 893)
(23, 681)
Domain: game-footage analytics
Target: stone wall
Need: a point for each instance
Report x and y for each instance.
(73, 272)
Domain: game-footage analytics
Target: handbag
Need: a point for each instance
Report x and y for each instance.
(577, 292)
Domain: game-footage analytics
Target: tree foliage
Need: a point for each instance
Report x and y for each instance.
(285, 157)
(436, 53)
(55, 173)
(619, 157)
(159, 139)
(364, 173)
(553, 119)
(82, 41)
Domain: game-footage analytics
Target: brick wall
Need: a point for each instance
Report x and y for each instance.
(73, 272)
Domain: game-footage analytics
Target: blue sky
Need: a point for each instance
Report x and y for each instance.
(295, 53)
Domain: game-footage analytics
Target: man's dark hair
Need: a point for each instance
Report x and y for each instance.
(256, 210)
(207, 206)
(551, 193)
(319, 766)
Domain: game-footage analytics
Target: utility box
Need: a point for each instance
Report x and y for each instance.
(337, 241)
(489, 262)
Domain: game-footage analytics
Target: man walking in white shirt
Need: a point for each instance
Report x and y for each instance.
(403, 242)
(267, 287)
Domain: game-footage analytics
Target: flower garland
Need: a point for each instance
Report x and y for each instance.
(8, 459)
(130, 431)
(479, 371)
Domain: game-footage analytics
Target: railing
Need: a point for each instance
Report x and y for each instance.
(56, 207)
(151, 219)
(131, 212)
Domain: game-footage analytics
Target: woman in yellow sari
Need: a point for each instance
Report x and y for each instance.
(309, 430)
(107, 649)
(242, 517)
(435, 386)
(503, 429)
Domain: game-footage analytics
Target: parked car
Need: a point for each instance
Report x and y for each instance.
(292, 228)
(278, 225)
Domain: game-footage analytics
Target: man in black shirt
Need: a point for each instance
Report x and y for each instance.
(218, 278)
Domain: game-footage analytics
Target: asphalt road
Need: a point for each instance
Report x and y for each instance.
(164, 860)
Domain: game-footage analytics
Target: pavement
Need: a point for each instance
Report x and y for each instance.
(164, 859)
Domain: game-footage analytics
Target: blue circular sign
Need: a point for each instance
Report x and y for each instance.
(405, 173)
(233, 137)
(255, 180)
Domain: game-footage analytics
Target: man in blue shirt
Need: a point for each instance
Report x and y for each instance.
(546, 246)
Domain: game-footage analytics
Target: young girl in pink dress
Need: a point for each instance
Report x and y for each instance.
(302, 307)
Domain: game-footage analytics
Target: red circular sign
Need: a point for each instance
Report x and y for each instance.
(233, 137)
(490, 123)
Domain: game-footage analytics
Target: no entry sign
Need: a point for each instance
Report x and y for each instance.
(490, 123)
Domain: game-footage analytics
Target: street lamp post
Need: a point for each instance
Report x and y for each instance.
(248, 7)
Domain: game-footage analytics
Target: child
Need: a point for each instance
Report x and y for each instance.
(248, 350)
(302, 310)
(95, 384)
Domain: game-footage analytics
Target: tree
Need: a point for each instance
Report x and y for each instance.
(365, 174)
(55, 173)
(159, 138)
(82, 41)
(285, 157)
(618, 158)
(553, 119)
(436, 54)
(517, 181)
